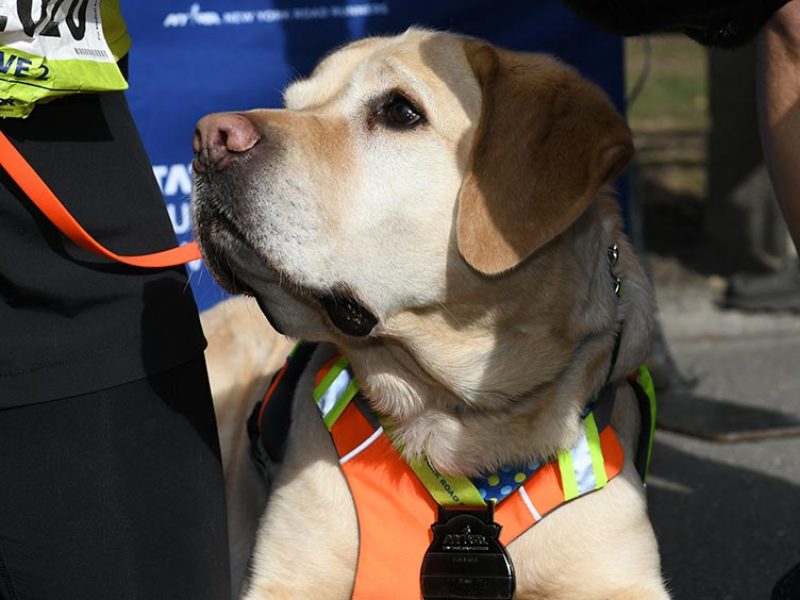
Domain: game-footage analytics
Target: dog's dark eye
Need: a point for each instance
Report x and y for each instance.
(398, 111)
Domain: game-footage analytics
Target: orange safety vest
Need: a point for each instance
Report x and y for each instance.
(395, 509)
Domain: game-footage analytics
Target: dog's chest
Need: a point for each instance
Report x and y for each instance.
(338, 455)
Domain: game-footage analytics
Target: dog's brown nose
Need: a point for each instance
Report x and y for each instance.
(219, 137)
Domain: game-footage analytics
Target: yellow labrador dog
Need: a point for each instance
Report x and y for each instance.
(437, 209)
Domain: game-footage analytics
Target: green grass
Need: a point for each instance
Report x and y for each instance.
(675, 95)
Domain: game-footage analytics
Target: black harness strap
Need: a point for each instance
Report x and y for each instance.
(268, 424)
(604, 405)
(645, 416)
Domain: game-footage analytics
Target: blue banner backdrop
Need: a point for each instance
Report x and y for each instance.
(189, 59)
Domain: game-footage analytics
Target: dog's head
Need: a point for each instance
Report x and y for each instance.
(427, 195)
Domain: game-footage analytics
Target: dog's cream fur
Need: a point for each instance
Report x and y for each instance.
(478, 239)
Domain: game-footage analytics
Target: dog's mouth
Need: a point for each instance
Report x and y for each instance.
(348, 315)
(241, 269)
(226, 251)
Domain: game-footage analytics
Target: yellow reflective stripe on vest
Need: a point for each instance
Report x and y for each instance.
(445, 489)
(595, 451)
(338, 408)
(645, 380)
(331, 390)
(568, 480)
(582, 467)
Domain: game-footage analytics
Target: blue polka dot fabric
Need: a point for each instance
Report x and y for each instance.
(499, 485)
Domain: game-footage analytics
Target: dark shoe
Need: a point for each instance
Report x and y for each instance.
(774, 292)
(788, 587)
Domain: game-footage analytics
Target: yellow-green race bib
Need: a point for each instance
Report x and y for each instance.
(53, 48)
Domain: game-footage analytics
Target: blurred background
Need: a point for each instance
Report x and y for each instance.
(724, 494)
(705, 194)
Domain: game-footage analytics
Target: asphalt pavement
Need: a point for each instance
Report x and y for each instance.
(727, 514)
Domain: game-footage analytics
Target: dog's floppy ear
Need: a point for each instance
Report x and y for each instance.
(546, 141)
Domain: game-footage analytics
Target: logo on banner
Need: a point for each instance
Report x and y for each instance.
(211, 18)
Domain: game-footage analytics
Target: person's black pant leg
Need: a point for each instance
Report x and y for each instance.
(115, 494)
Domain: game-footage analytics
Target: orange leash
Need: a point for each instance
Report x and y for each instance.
(45, 200)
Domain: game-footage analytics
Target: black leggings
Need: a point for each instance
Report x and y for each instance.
(116, 494)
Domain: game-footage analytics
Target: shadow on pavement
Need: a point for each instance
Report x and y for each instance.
(718, 420)
(725, 533)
